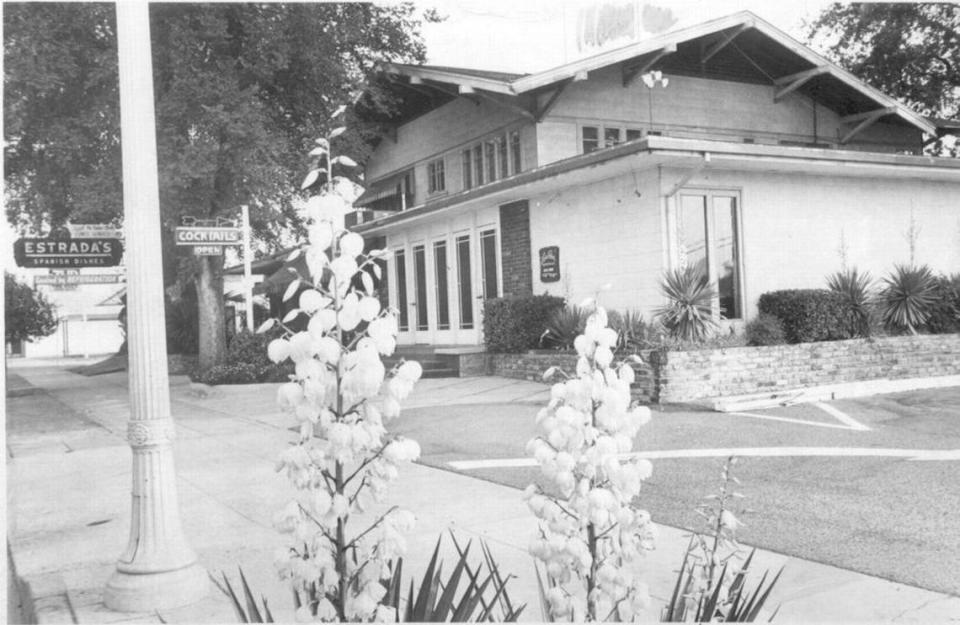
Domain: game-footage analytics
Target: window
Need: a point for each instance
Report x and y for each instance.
(591, 139)
(611, 137)
(401, 265)
(467, 170)
(490, 155)
(633, 134)
(443, 293)
(465, 286)
(502, 158)
(708, 237)
(515, 152)
(420, 285)
(435, 177)
(478, 164)
(488, 259)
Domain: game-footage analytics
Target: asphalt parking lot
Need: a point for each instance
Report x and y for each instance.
(871, 484)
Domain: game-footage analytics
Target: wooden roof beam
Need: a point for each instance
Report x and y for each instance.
(792, 82)
(630, 72)
(866, 119)
(542, 111)
(732, 34)
(508, 105)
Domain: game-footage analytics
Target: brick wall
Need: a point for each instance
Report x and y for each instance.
(530, 366)
(684, 376)
(671, 377)
(515, 248)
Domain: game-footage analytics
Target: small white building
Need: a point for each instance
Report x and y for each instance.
(759, 158)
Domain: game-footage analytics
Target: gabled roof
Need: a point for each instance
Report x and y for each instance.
(740, 47)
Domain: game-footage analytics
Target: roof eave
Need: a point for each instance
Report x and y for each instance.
(475, 82)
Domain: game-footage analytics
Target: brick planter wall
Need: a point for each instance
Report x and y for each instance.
(685, 376)
(671, 377)
(530, 366)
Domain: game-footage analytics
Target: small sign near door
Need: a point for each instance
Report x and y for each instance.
(550, 264)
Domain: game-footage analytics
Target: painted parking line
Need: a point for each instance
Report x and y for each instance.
(846, 422)
(752, 452)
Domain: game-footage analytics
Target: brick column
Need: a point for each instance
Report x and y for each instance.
(515, 249)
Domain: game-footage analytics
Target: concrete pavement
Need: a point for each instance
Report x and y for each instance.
(68, 504)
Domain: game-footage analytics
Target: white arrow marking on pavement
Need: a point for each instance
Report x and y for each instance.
(756, 452)
(846, 421)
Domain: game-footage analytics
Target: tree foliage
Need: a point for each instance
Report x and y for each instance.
(241, 90)
(908, 50)
(28, 315)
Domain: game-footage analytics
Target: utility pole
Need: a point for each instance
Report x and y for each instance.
(158, 569)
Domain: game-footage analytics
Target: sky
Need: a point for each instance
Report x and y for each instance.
(532, 35)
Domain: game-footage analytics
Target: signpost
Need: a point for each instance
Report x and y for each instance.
(67, 253)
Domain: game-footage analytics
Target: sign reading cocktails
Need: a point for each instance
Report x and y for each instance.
(205, 236)
(66, 252)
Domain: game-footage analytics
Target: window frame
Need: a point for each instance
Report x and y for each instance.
(436, 176)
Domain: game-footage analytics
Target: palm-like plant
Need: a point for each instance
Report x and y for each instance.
(908, 297)
(855, 288)
(563, 326)
(688, 314)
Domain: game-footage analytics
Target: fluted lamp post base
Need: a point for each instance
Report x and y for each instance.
(133, 592)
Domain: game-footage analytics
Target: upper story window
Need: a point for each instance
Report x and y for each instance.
(492, 159)
(435, 176)
(590, 136)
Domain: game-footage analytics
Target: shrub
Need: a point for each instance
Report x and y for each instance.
(945, 312)
(634, 334)
(231, 373)
(765, 329)
(563, 326)
(908, 297)
(855, 289)
(688, 315)
(515, 324)
(28, 314)
(809, 315)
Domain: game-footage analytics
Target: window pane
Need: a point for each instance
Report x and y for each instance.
(591, 139)
(633, 133)
(401, 264)
(490, 153)
(465, 282)
(488, 252)
(502, 159)
(693, 231)
(478, 164)
(611, 136)
(728, 256)
(515, 150)
(443, 294)
(467, 170)
(420, 278)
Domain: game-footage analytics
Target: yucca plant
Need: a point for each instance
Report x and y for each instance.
(247, 611)
(563, 326)
(631, 329)
(908, 297)
(483, 597)
(688, 315)
(856, 290)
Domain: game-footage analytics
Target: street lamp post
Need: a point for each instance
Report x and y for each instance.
(158, 569)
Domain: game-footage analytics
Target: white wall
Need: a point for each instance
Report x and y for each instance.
(606, 235)
(792, 226)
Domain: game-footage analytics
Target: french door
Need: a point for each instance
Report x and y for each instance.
(441, 282)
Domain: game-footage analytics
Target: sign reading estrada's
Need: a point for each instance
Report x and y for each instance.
(65, 252)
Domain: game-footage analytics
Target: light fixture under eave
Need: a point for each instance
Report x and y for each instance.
(580, 76)
(465, 89)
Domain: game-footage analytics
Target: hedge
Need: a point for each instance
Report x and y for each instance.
(515, 324)
(809, 315)
(247, 362)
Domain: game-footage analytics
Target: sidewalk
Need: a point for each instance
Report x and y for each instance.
(68, 505)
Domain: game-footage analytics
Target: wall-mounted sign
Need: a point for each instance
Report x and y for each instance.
(94, 231)
(550, 264)
(199, 235)
(208, 250)
(72, 253)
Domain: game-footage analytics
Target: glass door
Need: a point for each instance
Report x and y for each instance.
(420, 304)
(708, 234)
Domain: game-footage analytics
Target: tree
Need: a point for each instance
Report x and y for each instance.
(241, 90)
(28, 314)
(908, 50)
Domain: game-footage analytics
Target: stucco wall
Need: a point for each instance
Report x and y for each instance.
(794, 226)
(701, 108)
(608, 233)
